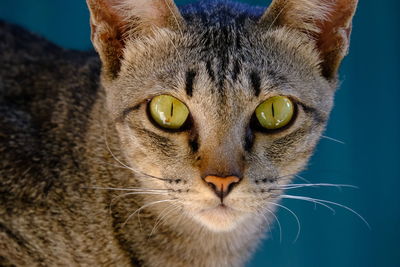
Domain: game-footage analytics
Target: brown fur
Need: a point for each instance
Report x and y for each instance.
(87, 178)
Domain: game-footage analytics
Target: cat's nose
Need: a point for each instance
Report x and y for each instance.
(222, 185)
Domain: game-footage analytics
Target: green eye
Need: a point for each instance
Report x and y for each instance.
(275, 112)
(168, 111)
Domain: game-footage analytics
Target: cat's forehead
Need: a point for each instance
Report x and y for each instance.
(245, 60)
(225, 61)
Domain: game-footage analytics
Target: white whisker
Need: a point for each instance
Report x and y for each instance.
(259, 209)
(294, 215)
(129, 189)
(315, 201)
(135, 193)
(160, 219)
(333, 139)
(277, 16)
(279, 224)
(144, 206)
(175, 18)
(294, 186)
(135, 171)
(321, 201)
(115, 158)
(302, 178)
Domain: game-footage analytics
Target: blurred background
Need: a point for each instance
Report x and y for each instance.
(365, 122)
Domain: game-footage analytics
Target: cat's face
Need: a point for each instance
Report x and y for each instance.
(222, 137)
(221, 74)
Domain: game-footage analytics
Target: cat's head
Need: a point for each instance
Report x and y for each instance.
(225, 104)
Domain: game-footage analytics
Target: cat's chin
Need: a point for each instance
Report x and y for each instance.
(220, 218)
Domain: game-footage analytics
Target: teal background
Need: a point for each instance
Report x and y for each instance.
(366, 117)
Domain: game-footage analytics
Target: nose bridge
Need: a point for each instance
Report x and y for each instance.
(221, 154)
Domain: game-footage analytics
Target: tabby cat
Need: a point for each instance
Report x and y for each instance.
(176, 150)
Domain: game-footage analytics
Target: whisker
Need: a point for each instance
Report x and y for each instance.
(302, 178)
(333, 139)
(109, 164)
(294, 186)
(172, 207)
(128, 189)
(278, 222)
(146, 205)
(285, 177)
(266, 221)
(314, 201)
(134, 193)
(259, 210)
(181, 216)
(160, 219)
(115, 158)
(175, 18)
(277, 16)
(321, 201)
(135, 171)
(294, 215)
(275, 179)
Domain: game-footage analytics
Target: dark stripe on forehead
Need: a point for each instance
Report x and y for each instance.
(223, 64)
(236, 70)
(210, 70)
(190, 75)
(255, 81)
(275, 77)
(222, 42)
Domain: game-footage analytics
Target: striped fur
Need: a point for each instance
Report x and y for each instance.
(86, 176)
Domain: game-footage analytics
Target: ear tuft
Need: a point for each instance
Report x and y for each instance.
(297, 14)
(327, 22)
(114, 22)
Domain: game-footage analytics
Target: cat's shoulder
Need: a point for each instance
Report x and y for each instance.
(46, 94)
(29, 56)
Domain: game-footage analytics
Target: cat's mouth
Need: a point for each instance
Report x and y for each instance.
(220, 207)
(220, 218)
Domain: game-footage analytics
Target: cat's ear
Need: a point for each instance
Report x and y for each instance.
(328, 22)
(113, 22)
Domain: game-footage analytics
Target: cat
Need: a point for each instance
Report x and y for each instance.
(174, 146)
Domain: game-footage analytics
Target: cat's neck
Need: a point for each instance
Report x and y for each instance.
(160, 234)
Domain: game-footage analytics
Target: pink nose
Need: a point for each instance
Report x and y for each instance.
(222, 185)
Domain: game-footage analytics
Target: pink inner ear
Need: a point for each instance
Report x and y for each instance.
(112, 21)
(151, 12)
(333, 39)
(107, 33)
(103, 11)
(335, 30)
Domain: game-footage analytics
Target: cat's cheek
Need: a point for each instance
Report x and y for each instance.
(130, 147)
(293, 166)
